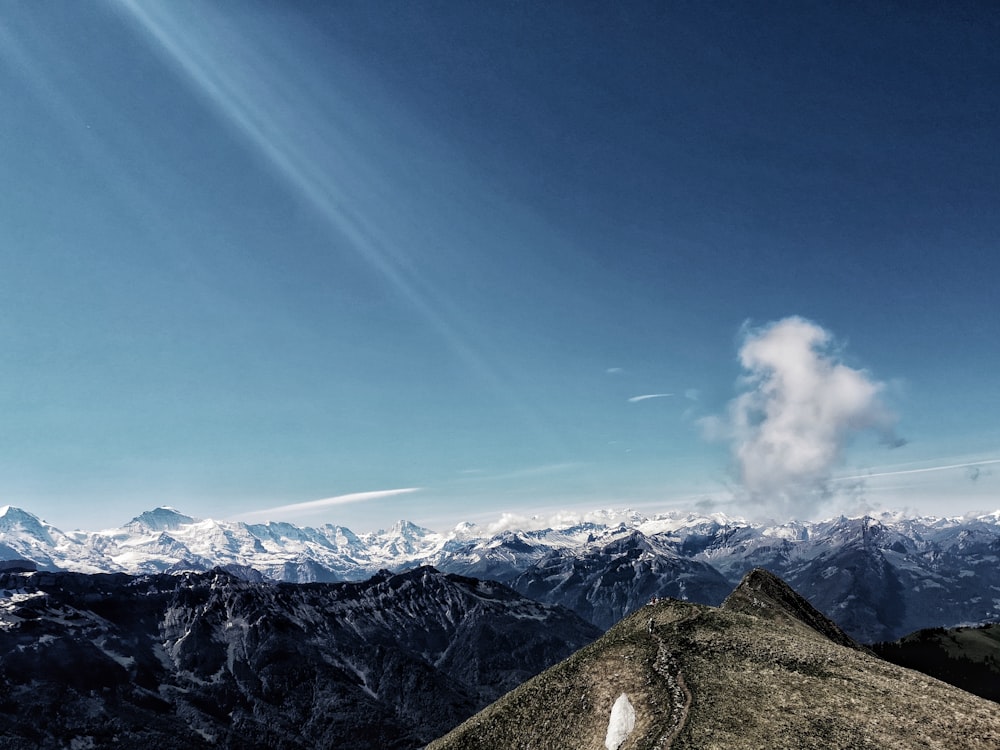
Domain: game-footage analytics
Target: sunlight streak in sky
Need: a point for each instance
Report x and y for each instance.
(319, 148)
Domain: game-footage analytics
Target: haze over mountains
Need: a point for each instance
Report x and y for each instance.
(879, 577)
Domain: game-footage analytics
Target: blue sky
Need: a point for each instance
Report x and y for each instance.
(256, 255)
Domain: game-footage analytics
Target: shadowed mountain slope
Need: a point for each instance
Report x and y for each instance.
(967, 657)
(763, 670)
(607, 582)
(209, 660)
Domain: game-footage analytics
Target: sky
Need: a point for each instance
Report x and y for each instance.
(351, 262)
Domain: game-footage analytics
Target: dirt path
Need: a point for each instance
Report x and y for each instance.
(667, 666)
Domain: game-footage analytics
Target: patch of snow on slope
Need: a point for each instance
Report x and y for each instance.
(621, 723)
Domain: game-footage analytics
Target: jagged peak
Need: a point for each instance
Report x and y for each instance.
(403, 527)
(761, 592)
(16, 520)
(160, 519)
(14, 514)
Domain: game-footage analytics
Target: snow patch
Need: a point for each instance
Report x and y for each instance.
(621, 723)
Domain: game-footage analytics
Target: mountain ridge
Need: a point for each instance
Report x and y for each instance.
(749, 674)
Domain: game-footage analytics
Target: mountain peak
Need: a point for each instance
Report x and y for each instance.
(13, 513)
(163, 518)
(15, 519)
(763, 593)
(405, 527)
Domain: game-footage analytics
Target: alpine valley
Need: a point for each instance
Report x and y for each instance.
(879, 578)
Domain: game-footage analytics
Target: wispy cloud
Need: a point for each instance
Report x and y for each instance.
(647, 396)
(536, 471)
(299, 509)
(800, 408)
(974, 465)
(615, 371)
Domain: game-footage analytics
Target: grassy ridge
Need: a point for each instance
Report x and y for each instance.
(762, 672)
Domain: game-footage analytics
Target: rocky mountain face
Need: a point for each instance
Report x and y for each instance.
(604, 583)
(880, 578)
(212, 660)
(763, 670)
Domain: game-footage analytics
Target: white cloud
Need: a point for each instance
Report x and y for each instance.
(559, 519)
(614, 371)
(800, 408)
(636, 399)
(282, 512)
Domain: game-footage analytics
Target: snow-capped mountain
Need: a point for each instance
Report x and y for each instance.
(164, 539)
(880, 577)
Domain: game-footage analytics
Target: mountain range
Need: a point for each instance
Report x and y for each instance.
(198, 660)
(880, 577)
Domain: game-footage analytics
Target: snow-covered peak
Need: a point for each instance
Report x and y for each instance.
(10, 514)
(689, 522)
(993, 518)
(408, 530)
(793, 531)
(163, 518)
(465, 530)
(22, 523)
(342, 537)
(405, 540)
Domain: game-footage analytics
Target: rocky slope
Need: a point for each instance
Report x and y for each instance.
(211, 660)
(763, 670)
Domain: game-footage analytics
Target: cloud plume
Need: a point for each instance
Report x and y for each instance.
(799, 410)
(282, 512)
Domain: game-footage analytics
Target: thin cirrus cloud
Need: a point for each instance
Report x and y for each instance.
(530, 471)
(647, 396)
(299, 509)
(923, 470)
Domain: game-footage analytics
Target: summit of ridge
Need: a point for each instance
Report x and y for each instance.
(759, 671)
(763, 593)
